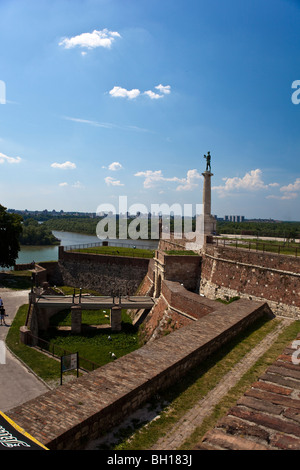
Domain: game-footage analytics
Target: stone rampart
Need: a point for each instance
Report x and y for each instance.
(227, 272)
(106, 274)
(179, 268)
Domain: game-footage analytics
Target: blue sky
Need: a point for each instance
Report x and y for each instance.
(107, 98)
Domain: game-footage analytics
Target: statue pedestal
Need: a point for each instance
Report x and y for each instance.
(209, 222)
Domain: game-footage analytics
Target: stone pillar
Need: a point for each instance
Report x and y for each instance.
(25, 336)
(209, 222)
(76, 315)
(116, 318)
(207, 192)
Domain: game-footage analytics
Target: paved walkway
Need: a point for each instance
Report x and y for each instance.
(195, 416)
(17, 383)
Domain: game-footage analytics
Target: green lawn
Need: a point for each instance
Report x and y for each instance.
(117, 251)
(93, 345)
(45, 367)
(89, 317)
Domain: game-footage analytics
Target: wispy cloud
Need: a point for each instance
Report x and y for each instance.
(291, 187)
(64, 166)
(112, 181)
(153, 179)
(152, 95)
(114, 166)
(166, 90)
(290, 191)
(105, 125)
(77, 185)
(103, 38)
(190, 182)
(119, 92)
(6, 159)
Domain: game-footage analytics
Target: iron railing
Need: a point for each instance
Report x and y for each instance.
(258, 245)
(58, 351)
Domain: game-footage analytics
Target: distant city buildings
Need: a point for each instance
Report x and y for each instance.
(234, 218)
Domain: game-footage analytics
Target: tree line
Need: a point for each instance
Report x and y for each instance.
(35, 233)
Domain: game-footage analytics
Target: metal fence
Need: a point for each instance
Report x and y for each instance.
(133, 250)
(259, 246)
(58, 351)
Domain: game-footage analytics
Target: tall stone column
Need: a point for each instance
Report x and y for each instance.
(207, 192)
(209, 222)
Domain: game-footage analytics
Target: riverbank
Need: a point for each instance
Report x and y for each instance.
(38, 254)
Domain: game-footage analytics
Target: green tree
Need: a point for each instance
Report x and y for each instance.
(10, 230)
(36, 234)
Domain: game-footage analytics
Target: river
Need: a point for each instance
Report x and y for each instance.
(28, 254)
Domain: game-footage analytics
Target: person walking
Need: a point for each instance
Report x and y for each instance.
(2, 316)
(2, 313)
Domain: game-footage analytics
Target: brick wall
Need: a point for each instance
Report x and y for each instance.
(178, 268)
(275, 278)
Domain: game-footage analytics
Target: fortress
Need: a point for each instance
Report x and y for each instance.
(181, 291)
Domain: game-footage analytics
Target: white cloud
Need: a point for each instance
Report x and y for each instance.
(252, 181)
(103, 38)
(115, 166)
(286, 196)
(166, 90)
(118, 92)
(152, 95)
(64, 166)
(112, 181)
(291, 187)
(291, 191)
(154, 178)
(5, 158)
(190, 182)
(76, 185)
